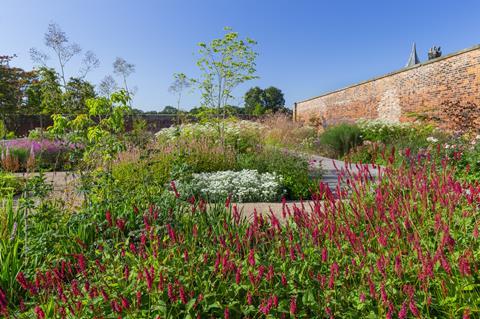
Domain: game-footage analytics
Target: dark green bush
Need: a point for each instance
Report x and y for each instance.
(293, 168)
(340, 139)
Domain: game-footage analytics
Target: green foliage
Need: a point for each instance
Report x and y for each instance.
(225, 63)
(98, 131)
(14, 84)
(139, 137)
(259, 101)
(341, 138)
(293, 169)
(9, 184)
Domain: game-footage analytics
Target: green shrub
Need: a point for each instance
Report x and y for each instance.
(9, 184)
(340, 139)
(293, 168)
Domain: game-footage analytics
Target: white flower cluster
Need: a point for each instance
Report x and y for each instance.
(243, 186)
(231, 129)
(380, 125)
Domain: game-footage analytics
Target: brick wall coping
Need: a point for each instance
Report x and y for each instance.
(475, 47)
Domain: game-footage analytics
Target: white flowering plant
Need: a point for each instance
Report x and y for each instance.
(240, 134)
(243, 186)
(386, 132)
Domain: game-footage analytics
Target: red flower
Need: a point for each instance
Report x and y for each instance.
(402, 314)
(39, 312)
(3, 301)
(23, 281)
(413, 308)
(108, 217)
(293, 305)
(251, 258)
(120, 224)
(125, 303)
(226, 313)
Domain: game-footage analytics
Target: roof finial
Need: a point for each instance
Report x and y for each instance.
(413, 59)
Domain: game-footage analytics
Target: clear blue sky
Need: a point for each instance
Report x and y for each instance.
(305, 47)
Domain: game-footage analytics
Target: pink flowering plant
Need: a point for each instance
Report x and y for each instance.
(404, 245)
(41, 154)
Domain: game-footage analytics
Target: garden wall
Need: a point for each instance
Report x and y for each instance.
(446, 89)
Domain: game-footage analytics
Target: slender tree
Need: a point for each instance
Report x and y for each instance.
(123, 69)
(56, 39)
(107, 86)
(179, 84)
(225, 64)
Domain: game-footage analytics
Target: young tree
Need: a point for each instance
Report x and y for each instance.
(56, 39)
(225, 63)
(123, 69)
(180, 83)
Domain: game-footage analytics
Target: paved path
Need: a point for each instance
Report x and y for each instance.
(64, 183)
(331, 169)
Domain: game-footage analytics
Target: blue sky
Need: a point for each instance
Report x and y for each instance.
(305, 47)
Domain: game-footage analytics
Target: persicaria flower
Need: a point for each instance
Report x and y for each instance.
(238, 275)
(3, 301)
(413, 308)
(464, 266)
(251, 258)
(133, 248)
(23, 281)
(183, 297)
(39, 312)
(249, 298)
(324, 254)
(120, 224)
(139, 297)
(108, 217)
(174, 188)
(293, 305)
(226, 313)
(402, 314)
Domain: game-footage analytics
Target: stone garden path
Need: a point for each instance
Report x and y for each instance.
(63, 184)
(330, 169)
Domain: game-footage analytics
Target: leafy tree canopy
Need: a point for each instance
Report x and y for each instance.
(260, 101)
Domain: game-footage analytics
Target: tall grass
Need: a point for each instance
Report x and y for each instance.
(11, 245)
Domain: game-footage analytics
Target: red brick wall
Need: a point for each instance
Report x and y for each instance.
(440, 88)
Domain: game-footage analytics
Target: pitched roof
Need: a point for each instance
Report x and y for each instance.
(413, 59)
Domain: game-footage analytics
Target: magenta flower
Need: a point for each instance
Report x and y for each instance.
(39, 312)
(293, 305)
